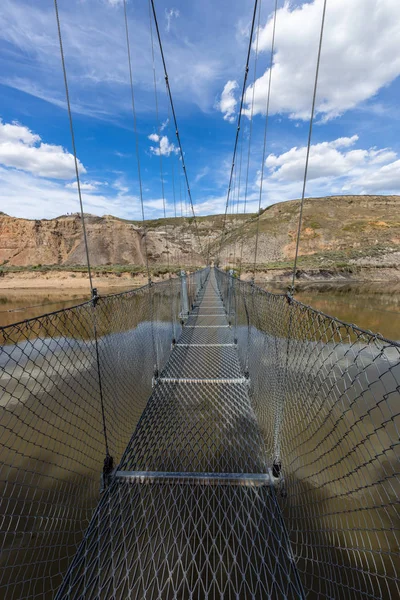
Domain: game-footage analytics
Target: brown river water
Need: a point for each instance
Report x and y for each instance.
(373, 306)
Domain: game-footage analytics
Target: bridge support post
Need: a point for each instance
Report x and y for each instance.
(184, 297)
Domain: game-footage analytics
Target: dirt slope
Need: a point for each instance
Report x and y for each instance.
(358, 230)
(337, 229)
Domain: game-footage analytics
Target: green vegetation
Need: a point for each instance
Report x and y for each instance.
(338, 259)
(117, 270)
(313, 225)
(356, 226)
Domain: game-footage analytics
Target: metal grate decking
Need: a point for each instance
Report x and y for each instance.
(192, 534)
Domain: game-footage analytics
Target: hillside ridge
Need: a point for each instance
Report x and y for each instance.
(336, 230)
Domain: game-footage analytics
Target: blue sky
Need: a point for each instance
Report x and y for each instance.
(356, 136)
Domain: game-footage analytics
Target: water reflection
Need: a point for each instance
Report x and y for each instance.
(373, 306)
(338, 436)
(18, 305)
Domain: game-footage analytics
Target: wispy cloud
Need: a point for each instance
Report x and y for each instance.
(122, 154)
(201, 174)
(172, 13)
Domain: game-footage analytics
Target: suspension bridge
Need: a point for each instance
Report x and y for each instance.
(198, 438)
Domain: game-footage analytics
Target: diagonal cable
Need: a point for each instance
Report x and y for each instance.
(182, 156)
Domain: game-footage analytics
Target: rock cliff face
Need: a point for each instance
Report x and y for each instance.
(60, 241)
(362, 228)
(111, 241)
(355, 229)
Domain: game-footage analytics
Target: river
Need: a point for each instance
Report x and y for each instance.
(373, 306)
(52, 427)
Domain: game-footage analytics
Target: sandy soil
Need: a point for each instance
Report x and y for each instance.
(64, 280)
(79, 282)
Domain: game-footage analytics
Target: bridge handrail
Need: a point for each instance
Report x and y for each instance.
(51, 426)
(327, 396)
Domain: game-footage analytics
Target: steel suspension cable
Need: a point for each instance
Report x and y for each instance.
(238, 191)
(250, 134)
(71, 126)
(159, 130)
(175, 234)
(139, 170)
(175, 123)
(182, 217)
(265, 137)
(175, 214)
(280, 412)
(239, 119)
(108, 461)
(292, 290)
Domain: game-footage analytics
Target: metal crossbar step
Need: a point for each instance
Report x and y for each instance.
(249, 479)
(201, 380)
(206, 326)
(207, 315)
(205, 345)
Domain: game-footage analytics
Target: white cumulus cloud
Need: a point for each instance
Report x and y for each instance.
(337, 158)
(227, 103)
(22, 149)
(87, 186)
(164, 146)
(335, 167)
(359, 56)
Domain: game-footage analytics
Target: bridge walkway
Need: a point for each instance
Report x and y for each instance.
(190, 512)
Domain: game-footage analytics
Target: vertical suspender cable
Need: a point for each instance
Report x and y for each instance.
(245, 299)
(246, 72)
(182, 220)
(308, 147)
(161, 172)
(280, 411)
(265, 137)
(175, 215)
(158, 125)
(108, 461)
(128, 48)
(238, 192)
(175, 237)
(250, 136)
(71, 126)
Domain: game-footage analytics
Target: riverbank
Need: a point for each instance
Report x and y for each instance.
(328, 275)
(73, 281)
(104, 281)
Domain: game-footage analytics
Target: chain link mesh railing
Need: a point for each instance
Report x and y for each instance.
(327, 398)
(190, 512)
(52, 431)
